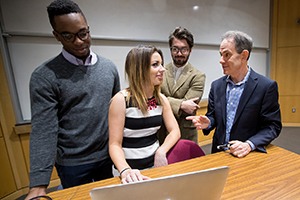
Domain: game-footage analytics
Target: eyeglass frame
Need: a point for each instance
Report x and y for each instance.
(183, 50)
(74, 35)
(41, 197)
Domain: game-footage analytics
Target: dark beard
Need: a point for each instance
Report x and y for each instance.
(180, 62)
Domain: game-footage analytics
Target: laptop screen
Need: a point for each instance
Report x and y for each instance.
(204, 184)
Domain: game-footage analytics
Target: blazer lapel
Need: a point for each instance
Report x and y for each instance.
(222, 92)
(248, 90)
(183, 77)
(169, 78)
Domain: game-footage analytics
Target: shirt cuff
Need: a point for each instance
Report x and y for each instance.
(209, 126)
(251, 145)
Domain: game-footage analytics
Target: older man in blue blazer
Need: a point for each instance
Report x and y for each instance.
(243, 105)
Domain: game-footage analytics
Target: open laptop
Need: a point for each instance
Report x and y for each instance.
(204, 184)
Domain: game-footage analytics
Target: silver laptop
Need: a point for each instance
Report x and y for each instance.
(204, 184)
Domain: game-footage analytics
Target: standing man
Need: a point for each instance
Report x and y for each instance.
(70, 97)
(183, 84)
(243, 105)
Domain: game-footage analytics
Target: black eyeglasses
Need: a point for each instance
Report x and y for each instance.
(70, 37)
(43, 197)
(224, 147)
(183, 50)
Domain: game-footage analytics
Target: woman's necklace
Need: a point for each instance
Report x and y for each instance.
(151, 103)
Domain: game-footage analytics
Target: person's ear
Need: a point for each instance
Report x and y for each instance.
(56, 35)
(245, 54)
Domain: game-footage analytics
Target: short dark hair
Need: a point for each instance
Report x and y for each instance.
(62, 7)
(241, 40)
(182, 34)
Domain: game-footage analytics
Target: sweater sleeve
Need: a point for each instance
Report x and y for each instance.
(43, 137)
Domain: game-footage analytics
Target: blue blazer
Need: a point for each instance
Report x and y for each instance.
(257, 117)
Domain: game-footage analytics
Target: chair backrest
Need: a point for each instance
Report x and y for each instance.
(184, 150)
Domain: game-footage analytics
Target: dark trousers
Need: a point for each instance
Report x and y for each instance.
(71, 176)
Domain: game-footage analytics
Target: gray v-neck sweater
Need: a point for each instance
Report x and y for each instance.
(69, 106)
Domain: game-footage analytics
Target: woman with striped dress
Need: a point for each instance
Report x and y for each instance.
(136, 114)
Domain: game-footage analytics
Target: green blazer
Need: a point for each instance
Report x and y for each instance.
(190, 84)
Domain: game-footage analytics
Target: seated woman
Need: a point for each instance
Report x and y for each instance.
(136, 114)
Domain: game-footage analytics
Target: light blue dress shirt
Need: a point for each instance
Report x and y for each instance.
(233, 94)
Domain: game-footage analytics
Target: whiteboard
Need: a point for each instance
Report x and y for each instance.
(149, 19)
(116, 27)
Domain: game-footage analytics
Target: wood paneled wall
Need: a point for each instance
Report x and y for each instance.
(285, 59)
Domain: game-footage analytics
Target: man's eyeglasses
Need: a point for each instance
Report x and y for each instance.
(183, 50)
(70, 37)
(224, 147)
(43, 197)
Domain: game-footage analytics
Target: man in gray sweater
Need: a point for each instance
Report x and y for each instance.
(70, 96)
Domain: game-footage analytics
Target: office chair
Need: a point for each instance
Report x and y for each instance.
(184, 150)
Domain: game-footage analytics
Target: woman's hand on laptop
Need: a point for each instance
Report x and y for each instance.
(132, 175)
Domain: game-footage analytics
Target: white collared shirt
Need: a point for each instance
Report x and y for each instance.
(90, 60)
(178, 71)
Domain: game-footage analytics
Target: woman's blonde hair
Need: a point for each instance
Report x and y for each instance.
(137, 69)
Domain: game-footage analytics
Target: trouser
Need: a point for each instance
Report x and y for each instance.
(71, 176)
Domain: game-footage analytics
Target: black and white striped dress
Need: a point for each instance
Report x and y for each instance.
(140, 140)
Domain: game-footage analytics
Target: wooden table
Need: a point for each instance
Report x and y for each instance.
(275, 175)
